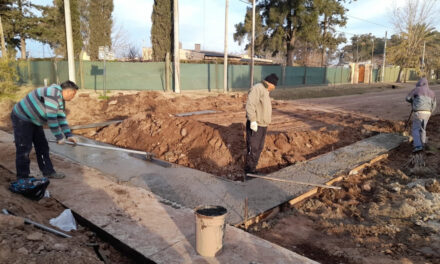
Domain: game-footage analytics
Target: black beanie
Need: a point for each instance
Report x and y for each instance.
(272, 78)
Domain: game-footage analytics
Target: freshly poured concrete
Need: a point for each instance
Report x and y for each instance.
(139, 219)
(191, 188)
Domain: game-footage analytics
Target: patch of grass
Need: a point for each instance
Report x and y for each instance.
(292, 93)
(21, 92)
(103, 97)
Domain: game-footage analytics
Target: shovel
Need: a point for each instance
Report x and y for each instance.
(405, 133)
(149, 156)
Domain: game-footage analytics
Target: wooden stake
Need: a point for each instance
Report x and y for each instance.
(295, 182)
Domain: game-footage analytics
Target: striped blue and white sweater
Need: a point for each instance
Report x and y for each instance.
(45, 105)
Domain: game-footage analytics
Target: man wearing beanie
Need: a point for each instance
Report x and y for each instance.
(258, 114)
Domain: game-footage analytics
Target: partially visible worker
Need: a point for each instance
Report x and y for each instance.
(423, 104)
(44, 105)
(259, 115)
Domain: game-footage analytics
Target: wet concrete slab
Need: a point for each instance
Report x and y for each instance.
(190, 188)
(162, 232)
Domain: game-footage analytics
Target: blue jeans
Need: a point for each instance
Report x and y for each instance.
(420, 120)
(26, 133)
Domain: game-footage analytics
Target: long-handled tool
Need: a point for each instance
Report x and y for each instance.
(294, 182)
(148, 155)
(30, 222)
(404, 132)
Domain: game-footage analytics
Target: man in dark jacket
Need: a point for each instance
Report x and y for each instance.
(44, 105)
(423, 104)
(258, 114)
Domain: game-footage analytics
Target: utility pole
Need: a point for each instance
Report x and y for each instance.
(176, 47)
(384, 56)
(357, 51)
(372, 63)
(2, 39)
(69, 39)
(252, 44)
(423, 56)
(225, 63)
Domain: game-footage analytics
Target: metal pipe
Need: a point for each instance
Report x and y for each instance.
(107, 147)
(46, 228)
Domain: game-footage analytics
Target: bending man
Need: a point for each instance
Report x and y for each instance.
(41, 106)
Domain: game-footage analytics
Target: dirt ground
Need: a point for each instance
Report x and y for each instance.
(215, 143)
(386, 214)
(23, 243)
(389, 214)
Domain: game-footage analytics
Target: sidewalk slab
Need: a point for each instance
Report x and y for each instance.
(191, 188)
(141, 220)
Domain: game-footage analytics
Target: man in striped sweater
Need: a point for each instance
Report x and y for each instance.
(41, 106)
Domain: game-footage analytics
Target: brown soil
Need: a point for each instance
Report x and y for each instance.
(22, 243)
(215, 143)
(386, 214)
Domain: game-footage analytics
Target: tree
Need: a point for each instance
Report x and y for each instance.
(332, 13)
(53, 28)
(120, 40)
(413, 23)
(162, 29)
(432, 54)
(20, 23)
(100, 17)
(282, 24)
(84, 18)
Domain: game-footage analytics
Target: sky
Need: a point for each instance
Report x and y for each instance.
(203, 22)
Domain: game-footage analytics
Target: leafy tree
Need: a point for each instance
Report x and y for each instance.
(281, 24)
(332, 13)
(414, 24)
(84, 18)
(408, 51)
(162, 29)
(53, 28)
(19, 23)
(432, 54)
(100, 17)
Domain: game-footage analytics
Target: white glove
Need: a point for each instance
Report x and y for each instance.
(254, 126)
(74, 140)
(61, 141)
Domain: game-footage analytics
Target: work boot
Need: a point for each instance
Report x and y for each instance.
(417, 149)
(55, 175)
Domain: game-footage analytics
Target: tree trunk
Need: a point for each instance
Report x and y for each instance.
(23, 47)
(290, 50)
(398, 75)
(2, 39)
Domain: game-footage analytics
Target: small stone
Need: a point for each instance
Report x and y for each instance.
(113, 102)
(39, 249)
(183, 132)
(59, 247)
(366, 187)
(308, 145)
(35, 236)
(388, 251)
(23, 251)
(265, 225)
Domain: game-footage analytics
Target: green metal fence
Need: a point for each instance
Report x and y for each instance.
(204, 77)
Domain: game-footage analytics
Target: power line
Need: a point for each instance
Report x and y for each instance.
(368, 21)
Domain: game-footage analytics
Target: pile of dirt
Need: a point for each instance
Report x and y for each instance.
(22, 243)
(150, 125)
(386, 214)
(217, 145)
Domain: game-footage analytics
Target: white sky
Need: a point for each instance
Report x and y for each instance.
(202, 21)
